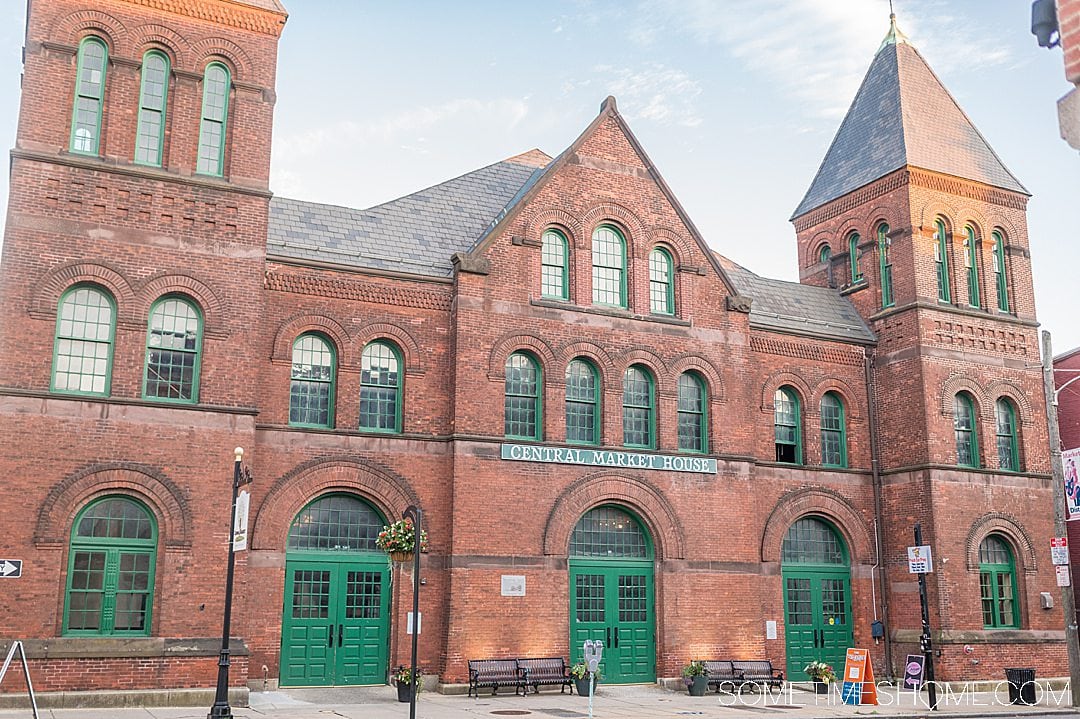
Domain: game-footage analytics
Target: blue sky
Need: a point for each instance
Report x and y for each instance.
(735, 101)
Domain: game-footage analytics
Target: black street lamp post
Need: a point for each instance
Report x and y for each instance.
(416, 514)
(221, 708)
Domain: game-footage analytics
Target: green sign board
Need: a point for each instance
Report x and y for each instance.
(606, 458)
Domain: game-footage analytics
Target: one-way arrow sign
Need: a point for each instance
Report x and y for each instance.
(10, 568)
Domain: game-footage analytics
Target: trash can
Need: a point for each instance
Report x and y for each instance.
(1021, 685)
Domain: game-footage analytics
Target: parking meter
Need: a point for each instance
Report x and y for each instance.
(593, 652)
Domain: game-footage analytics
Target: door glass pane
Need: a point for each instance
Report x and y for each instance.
(589, 597)
(1005, 598)
(799, 609)
(336, 523)
(811, 541)
(608, 532)
(833, 602)
(311, 594)
(363, 595)
(633, 600)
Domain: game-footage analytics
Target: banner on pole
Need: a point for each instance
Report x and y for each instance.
(240, 526)
(1070, 462)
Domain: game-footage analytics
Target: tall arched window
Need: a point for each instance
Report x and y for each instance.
(311, 389)
(380, 388)
(997, 583)
(110, 581)
(89, 96)
(215, 114)
(661, 285)
(150, 136)
(521, 404)
(82, 352)
(639, 408)
(853, 257)
(582, 403)
(967, 440)
(833, 431)
(787, 426)
(172, 353)
(825, 253)
(971, 261)
(885, 260)
(609, 267)
(693, 419)
(1007, 446)
(941, 261)
(1000, 278)
(554, 255)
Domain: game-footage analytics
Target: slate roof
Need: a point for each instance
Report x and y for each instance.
(903, 115)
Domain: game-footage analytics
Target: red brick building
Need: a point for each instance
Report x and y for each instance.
(614, 432)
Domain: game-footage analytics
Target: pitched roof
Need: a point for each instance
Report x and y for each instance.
(416, 234)
(903, 115)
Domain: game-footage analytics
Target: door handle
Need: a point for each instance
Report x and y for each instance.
(609, 636)
(330, 640)
(616, 637)
(340, 635)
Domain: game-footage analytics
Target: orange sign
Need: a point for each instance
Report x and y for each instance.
(858, 679)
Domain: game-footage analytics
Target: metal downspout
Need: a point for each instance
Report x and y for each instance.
(875, 471)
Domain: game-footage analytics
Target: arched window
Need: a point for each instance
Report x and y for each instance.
(215, 113)
(150, 137)
(1000, 278)
(89, 96)
(971, 261)
(110, 580)
(172, 352)
(967, 440)
(608, 267)
(811, 541)
(639, 408)
(833, 431)
(661, 286)
(853, 257)
(380, 388)
(884, 244)
(825, 253)
(82, 354)
(582, 403)
(693, 424)
(941, 261)
(1007, 449)
(336, 523)
(611, 533)
(311, 389)
(997, 583)
(554, 255)
(521, 408)
(787, 426)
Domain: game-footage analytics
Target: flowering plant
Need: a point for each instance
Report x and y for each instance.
(400, 537)
(820, 672)
(694, 669)
(404, 675)
(581, 671)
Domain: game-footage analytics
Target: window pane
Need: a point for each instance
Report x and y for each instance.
(608, 267)
(786, 426)
(336, 523)
(637, 408)
(691, 413)
(581, 403)
(811, 541)
(115, 519)
(1006, 436)
(660, 283)
(212, 128)
(553, 282)
(589, 597)
(521, 412)
(608, 532)
(83, 341)
(964, 423)
(311, 389)
(363, 595)
(173, 350)
(832, 431)
(380, 388)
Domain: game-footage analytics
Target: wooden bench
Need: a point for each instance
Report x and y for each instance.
(548, 671)
(495, 673)
(722, 675)
(759, 673)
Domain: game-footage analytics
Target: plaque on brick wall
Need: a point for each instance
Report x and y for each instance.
(513, 585)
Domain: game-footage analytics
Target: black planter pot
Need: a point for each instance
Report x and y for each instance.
(821, 688)
(698, 686)
(583, 686)
(404, 692)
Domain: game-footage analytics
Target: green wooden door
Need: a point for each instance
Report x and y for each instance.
(613, 603)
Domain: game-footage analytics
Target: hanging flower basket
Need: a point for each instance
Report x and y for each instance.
(399, 540)
(402, 556)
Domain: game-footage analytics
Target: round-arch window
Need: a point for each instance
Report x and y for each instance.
(336, 523)
(608, 532)
(811, 541)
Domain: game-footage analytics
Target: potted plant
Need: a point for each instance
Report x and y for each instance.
(406, 687)
(580, 674)
(822, 674)
(399, 540)
(696, 677)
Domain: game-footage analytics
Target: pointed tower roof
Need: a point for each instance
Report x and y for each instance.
(903, 115)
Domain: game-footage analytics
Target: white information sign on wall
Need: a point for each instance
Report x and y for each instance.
(770, 629)
(513, 585)
(1059, 550)
(919, 560)
(1063, 579)
(419, 624)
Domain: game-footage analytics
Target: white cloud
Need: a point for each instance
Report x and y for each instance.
(652, 92)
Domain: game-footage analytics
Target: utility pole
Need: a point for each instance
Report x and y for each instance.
(1068, 602)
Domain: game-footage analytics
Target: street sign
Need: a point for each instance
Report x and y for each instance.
(1059, 550)
(10, 568)
(914, 668)
(919, 560)
(1063, 575)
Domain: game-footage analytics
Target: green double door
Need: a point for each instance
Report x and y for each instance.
(612, 601)
(817, 618)
(335, 627)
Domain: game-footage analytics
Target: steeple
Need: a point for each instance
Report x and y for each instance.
(894, 36)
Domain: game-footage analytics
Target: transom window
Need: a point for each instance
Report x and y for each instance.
(833, 431)
(311, 389)
(608, 532)
(380, 388)
(886, 265)
(967, 442)
(1000, 278)
(997, 583)
(853, 257)
(85, 325)
(971, 260)
(89, 96)
(1008, 454)
(554, 266)
(609, 267)
(172, 353)
(941, 260)
(661, 287)
(811, 541)
(638, 408)
(336, 523)
(150, 137)
(692, 423)
(215, 112)
(786, 426)
(582, 403)
(521, 405)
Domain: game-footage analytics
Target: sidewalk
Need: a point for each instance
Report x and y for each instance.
(611, 702)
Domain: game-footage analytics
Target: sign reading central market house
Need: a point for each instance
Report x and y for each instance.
(605, 458)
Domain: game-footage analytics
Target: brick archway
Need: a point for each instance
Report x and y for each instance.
(1009, 527)
(817, 502)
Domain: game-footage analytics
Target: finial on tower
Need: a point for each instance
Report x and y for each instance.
(894, 36)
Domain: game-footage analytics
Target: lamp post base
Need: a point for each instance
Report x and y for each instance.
(220, 711)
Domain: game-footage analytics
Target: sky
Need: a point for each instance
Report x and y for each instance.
(736, 102)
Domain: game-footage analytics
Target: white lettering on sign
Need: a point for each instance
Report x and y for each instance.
(607, 458)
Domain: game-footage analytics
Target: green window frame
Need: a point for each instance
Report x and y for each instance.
(825, 253)
(887, 299)
(173, 343)
(971, 259)
(693, 413)
(522, 409)
(811, 540)
(639, 407)
(89, 96)
(380, 388)
(833, 431)
(311, 382)
(610, 533)
(997, 584)
(1008, 448)
(853, 257)
(608, 267)
(582, 403)
(555, 269)
(787, 426)
(661, 283)
(967, 439)
(336, 522)
(84, 340)
(110, 578)
(1001, 280)
(215, 116)
(941, 261)
(153, 100)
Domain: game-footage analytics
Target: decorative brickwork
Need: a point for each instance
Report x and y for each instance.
(821, 502)
(1011, 528)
